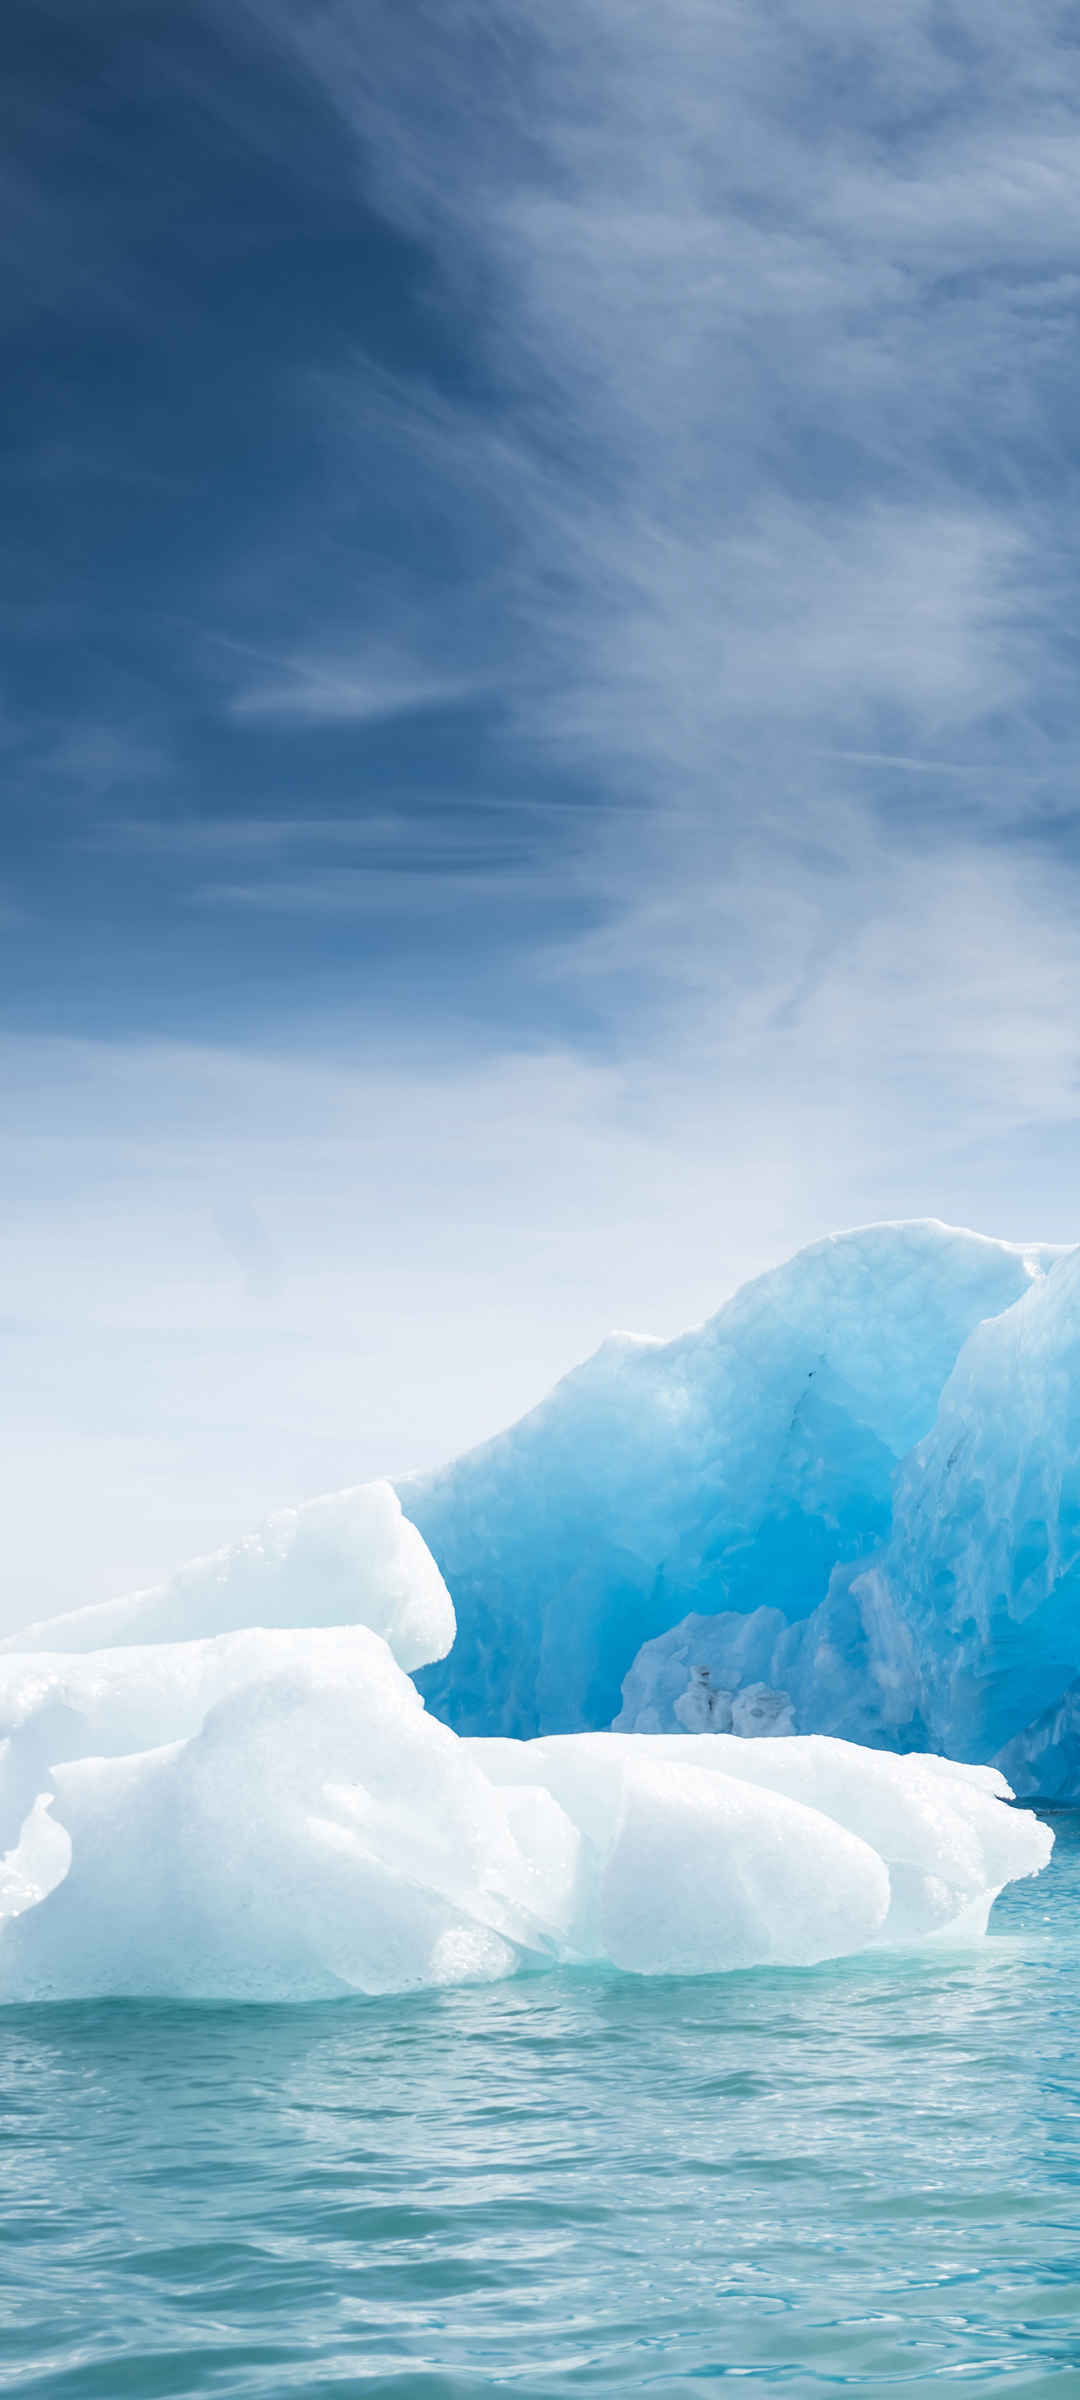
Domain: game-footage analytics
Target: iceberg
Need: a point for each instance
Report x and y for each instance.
(972, 1609)
(350, 1558)
(316, 1831)
(820, 1560)
(272, 1813)
(749, 1466)
(1043, 1759)
(962, 1632)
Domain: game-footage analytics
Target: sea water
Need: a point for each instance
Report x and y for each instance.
(862, 2177)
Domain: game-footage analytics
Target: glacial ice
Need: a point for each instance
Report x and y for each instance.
(972, 1610)
(840, 1523)
(962, 1632)
(1043, 1759)
(305, 1828)
(351, 1558)
(747, 1467)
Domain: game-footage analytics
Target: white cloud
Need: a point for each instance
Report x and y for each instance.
(734, 402)
(429, 888)
(329, 691)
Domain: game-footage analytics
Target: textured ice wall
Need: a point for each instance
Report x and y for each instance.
(1042, 1761)
(963, 1634)
(733, 1469)
(973, 1611)
(317, 1832)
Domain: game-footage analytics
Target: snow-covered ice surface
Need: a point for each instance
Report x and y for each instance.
(273, 1814)
(737, 1468)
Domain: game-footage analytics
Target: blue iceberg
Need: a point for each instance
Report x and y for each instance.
(809, 1498)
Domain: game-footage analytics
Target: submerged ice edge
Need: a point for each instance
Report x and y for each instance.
(295, 1825)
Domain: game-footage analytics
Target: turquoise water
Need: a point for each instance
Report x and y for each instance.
(865, 2177)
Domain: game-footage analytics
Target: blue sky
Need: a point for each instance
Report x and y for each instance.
(538, 703)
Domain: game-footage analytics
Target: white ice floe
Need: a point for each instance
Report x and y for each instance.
(273, 1814)
(349, 1559)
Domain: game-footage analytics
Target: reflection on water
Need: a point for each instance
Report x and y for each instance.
(862, 2177)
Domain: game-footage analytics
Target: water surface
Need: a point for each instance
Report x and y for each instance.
(863, 2177)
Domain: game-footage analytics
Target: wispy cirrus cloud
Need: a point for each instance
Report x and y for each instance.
(745, 470)
(777, 318)
(755, 300)
(368, 689)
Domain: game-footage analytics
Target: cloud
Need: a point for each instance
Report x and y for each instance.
(780, 320)
(737, 357)
(422, 890)
(366, 691)
(817, 618)
(100, 758)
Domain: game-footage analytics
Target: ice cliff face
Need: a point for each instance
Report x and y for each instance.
(962, 1634)
(721, 1500)
(976, 1598)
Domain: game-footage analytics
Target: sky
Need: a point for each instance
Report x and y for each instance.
(538, 705)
